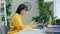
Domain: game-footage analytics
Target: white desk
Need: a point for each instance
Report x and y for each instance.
(31, 31)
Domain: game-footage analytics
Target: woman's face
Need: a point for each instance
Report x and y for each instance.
(23, 12)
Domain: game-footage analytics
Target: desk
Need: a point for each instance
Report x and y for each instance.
(31, 31)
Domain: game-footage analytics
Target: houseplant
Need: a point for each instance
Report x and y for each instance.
(57, 22)
(53, 20)
(8, 7)
(8, 10)
(44, 15)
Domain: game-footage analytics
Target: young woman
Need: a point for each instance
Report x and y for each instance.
(16, 20)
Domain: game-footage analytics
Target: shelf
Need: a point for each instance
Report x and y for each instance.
(3, 5)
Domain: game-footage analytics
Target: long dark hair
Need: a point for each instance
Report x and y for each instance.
(21, 7)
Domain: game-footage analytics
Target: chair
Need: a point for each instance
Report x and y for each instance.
(3, 28)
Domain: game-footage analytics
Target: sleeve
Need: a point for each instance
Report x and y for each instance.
(17, 21)
(29, 26)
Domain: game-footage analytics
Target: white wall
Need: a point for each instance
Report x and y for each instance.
(57, 8)
(33, 12)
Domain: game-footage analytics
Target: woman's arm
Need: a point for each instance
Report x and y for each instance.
(17, 21)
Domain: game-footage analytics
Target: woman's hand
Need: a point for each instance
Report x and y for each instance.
(34, 25)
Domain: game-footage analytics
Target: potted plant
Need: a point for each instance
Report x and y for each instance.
(8, 10)
(57, 22)
(43, 13)
(53, 20)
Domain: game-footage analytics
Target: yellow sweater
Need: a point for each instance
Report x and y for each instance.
(16, 24)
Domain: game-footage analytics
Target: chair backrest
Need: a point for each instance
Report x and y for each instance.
(3, 28)
(0, 31)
